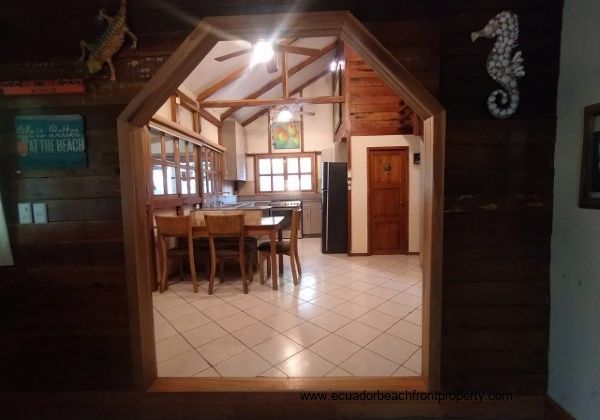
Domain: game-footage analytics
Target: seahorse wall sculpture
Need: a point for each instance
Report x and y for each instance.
(109, 42)
(502, 66)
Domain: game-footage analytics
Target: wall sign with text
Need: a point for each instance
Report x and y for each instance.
(51, 142)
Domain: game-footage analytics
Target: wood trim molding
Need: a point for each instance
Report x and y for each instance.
(230, 78)
(176, 130)
(209, 117)
(133, 183)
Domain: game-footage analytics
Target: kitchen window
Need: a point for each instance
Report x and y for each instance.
(173, 165)
(282, 173)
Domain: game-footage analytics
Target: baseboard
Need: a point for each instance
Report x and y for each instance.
(412, 253)
(554, 411)
(358, 254)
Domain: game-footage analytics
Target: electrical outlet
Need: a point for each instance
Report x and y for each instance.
(25, 214)
(40, 214)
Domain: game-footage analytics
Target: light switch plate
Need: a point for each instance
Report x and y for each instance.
(25, 214)
(40, 214)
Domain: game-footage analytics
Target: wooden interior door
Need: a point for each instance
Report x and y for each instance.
(388, 200)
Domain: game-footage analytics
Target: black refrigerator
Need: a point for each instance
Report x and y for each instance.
(334, 203)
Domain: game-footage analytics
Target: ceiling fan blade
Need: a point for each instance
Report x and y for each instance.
(297, 50)
(233, 54)
(312, 114)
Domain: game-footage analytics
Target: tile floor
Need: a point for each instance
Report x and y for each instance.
(350, 316)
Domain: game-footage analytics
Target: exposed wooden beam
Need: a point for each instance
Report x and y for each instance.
(277, 80)
(230, 78)
(240, 103)
(284, 75)
(186, 100)
(292, 93)
(255, 116)
(209, 117)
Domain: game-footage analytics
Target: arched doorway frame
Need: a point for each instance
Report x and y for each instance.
(133, 187)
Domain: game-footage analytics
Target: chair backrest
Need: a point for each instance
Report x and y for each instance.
(173, 226)
(294, 225)
(224, 225)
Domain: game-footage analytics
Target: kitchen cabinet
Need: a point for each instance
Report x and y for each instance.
(233, 137)
(311, 218)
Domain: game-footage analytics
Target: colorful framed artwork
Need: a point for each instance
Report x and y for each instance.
(285, 136)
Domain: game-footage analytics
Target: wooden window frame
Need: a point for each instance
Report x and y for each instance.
(285, 156)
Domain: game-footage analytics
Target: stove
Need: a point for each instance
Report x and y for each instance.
(284, 208)
(286, 203)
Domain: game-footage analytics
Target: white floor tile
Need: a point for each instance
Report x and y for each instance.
(368, 300)
(204, 334)
(306, 310)
(407, 331)
(416, 317)
(327, 301)
(273, 373)
(221, 349)
(245, 364)
(236, 321)
(337, 372)
(330, 321)
(163, 330)
(345, 293)
(415, 361)
(382, 292)
(334, 348)
(367, 363)
(263, 311)
(408, 300)
(358, 333)
(277, 349)
(403, 371)
(208, 373)
(170, 347)
(283, 321)
(184, 364)
(378, 320)
(351, 310)
(394, 309)
(178, 311)
(221, 311)
(208, 302)
(305, 364)
(189, 322)
(255, 334)
(306, 334)
(392, 348)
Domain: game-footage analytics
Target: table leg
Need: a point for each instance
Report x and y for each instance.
(274, 260)
(280, 238)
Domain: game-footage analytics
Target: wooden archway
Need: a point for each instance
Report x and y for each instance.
(168, 78)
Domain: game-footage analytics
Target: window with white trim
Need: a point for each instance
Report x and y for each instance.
(281, 173)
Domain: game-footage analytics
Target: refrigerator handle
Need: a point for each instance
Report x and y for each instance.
(326, 197)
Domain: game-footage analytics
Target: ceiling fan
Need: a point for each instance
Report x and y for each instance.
(264, 52)
(285, 113)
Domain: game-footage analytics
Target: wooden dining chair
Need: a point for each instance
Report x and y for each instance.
(289, 248)
(228, 226)
(179, 227)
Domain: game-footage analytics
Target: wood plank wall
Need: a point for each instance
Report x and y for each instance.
(375, 109)
(64, 306)
(498, 202)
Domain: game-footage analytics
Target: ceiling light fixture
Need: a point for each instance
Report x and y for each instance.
(262, 52)
(333, 66)
(285, 115)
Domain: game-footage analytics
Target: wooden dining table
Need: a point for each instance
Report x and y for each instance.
(255, 227)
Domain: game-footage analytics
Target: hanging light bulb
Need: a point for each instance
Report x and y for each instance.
(285, 115)
(261, 53)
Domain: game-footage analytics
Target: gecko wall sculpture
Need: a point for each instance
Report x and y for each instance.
(109, 42)
(502, 66)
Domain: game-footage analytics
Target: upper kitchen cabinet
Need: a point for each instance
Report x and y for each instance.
(233, 137)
